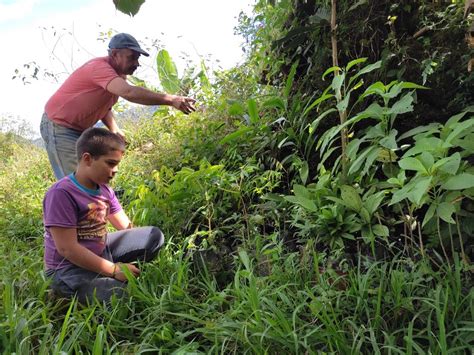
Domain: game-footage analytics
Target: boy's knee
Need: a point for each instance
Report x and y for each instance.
(156, 235)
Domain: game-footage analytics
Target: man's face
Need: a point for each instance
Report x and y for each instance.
(104, 168)
(126, 61)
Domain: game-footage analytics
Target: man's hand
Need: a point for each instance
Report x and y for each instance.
(184, 104)
(120, 275)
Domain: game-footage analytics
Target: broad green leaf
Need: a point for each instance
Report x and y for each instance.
(371, 157)
(366, 70)
(373, 111)
(234, 135)
(304, 202)
(432, 127)
(289, 80)
(301, 191)
(353, 148)
(373, 202)
(380, 230)
(429, 214)
(316, 122)
(128, 7)
(253, 112)
(459, 182)
(411, 163)
(275, 102)
(136, 81)
(273, 197)
(427, 160)
(342, 105)
(331, 70)
(420, 189)
(351, 198)
(236, 109)
(414, 190)
(355, 166)
(375, 88)
(394, 181)
(304, 170)
(377, 131)
(369, 68)
(430, 144)
(355, 6)
(461, 129)
(317, 102)
(449, 164)
(244, 257)
(337, 82)
(204, 79)
(467, 143)
(389, 141)
(404, 105)
(445, 211)
(365, 214)
(355, 62)
(456, 118)
(167, 72)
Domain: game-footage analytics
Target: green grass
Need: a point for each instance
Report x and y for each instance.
(392, 307)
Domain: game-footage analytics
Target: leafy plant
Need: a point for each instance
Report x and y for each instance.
(434, 172)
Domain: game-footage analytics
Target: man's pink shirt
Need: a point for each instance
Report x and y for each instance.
(83, 98)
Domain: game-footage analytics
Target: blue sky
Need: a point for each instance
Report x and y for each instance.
(203, 28)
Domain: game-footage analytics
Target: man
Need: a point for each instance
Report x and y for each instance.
(88, 96)
(80, 257)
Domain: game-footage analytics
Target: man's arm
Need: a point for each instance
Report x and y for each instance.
(67, 246)
(111, 124)
(139, 95)
(120, 220)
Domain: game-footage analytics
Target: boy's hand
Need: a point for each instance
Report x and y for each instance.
(120, 275)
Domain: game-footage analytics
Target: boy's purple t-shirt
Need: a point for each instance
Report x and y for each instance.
(68, 204)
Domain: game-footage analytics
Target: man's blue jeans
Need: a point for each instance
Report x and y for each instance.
(60, 144)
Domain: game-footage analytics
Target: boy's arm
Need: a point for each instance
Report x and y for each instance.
(120, 220)
(68, 247)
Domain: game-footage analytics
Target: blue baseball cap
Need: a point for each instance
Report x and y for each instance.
(124, 40)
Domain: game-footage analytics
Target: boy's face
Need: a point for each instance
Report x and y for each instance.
(103, 169)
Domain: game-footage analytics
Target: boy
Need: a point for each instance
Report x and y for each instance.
(80, 257)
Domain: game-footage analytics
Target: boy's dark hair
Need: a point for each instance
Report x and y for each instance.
(97, 142)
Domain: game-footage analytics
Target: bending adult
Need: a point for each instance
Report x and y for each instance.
(88, 96)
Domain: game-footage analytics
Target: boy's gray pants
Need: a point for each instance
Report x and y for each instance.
(136, 244)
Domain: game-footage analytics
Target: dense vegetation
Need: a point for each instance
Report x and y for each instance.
(287, 231)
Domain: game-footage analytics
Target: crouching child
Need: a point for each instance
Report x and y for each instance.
(81, 258)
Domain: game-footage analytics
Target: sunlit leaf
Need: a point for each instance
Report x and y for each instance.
(167, 72)
(128, 7)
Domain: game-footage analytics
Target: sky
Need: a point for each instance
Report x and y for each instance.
(59, 35)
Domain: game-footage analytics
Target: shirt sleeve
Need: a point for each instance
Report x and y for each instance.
(102, 73)
(59, 209)
(115, 205)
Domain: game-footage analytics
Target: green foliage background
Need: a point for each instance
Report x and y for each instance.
(278, 238)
